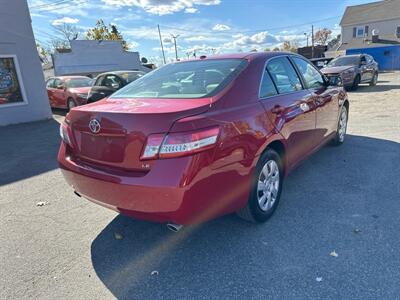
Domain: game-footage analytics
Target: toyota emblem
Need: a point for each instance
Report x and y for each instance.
(94, 126)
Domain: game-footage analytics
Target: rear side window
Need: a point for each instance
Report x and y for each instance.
(267, 87)
(284, 75)
(312, 77)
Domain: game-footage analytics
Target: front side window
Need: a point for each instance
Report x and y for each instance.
(284, 75)
(99, 80)
(267, 87)
(312, 77)
(185, 80)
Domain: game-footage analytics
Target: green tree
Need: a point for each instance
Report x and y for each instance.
(101, 32)
(267, 49)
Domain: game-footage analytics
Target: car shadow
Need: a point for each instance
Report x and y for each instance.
(28, 149)
(229, 257)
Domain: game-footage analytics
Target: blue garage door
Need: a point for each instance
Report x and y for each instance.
(387, 57)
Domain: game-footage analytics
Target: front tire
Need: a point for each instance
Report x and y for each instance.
(266, 188)
(356, 83)
(71, 104)
(374, 80)
(341, 127)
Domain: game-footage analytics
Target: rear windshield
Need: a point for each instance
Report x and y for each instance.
(79, 82)
(193, 79)
(345, 61)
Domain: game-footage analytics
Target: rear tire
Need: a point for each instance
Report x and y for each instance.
(374, 80)
(341, 127)
(266, 188)
(356, 82)
(70, 104)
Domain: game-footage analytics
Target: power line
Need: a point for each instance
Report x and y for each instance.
(249, 31)
(50, 4)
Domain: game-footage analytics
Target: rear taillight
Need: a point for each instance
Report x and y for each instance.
(64, 134)
(179, 144)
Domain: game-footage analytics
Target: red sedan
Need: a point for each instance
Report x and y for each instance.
(68, 91)
(199, 139)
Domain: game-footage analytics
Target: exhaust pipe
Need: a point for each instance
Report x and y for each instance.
(174, 227)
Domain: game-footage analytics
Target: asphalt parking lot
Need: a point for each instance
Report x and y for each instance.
(343, 200)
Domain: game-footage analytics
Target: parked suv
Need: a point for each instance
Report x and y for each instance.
(353, 70)
(107, 83)
(198, 139)
(68, 91)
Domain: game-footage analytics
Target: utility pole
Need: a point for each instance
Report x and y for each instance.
(312, 41)
(176, 50)
(162, 47)
(307, 36)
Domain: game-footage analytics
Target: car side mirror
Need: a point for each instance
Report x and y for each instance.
(363, 62)
(60, 87)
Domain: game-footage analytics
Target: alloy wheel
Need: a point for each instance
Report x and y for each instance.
(268, 185)
(342, 124)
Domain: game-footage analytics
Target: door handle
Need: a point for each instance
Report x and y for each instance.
(277, 109)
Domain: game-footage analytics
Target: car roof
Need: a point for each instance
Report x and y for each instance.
(69, 77)
(243, 55)
(120, 72)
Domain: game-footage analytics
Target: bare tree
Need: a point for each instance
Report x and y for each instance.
(64, 34)
(322, 36)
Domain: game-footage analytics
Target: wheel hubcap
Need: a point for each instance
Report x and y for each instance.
(268, 185)
(342, 124)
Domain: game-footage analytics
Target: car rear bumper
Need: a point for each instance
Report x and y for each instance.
(181, 190)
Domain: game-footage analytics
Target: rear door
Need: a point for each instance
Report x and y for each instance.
(290, 107)
(325, 98)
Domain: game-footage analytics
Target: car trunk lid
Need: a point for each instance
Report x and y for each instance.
(125, 125)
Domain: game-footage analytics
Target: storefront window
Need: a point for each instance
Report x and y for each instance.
(10, 86)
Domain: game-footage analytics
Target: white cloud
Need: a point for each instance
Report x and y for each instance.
(133, 45)
(65, 20)
(191, 10)
(221, 27)
(163, 7)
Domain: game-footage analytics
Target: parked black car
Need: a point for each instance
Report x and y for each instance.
(353, 70)
(107, 83)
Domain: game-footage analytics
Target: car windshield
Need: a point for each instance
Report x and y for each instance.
(131, 76)
(193, 79)
(79, 82)
(345, 61)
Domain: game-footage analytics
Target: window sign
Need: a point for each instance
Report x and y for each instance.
(11, 90)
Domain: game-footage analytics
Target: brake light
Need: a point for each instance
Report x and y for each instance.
(64, 134)
(180, 144)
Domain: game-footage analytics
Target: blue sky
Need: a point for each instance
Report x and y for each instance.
(207, 26)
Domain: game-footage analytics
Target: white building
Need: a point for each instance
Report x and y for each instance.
(23, 95)
(360, 22)
(94, 57)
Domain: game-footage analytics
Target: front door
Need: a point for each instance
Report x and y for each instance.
(325, 99)
(290, 107)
